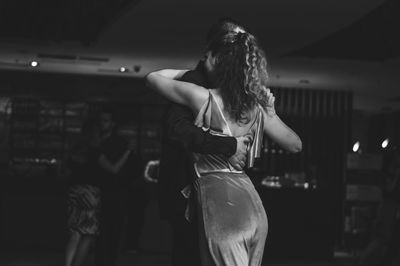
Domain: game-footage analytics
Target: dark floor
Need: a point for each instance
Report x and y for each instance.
(40, 258)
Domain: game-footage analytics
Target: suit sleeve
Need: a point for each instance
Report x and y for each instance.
(180, 127)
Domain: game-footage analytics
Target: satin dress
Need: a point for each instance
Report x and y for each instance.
(233, 224)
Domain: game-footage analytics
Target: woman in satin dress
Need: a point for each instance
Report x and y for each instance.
(232, 222)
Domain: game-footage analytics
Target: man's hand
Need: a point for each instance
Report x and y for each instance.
(238, 160)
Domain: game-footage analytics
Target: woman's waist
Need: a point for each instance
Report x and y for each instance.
(202, 172)
(214, 164)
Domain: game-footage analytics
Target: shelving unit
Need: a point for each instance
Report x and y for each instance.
(42, 131)
(362, 197)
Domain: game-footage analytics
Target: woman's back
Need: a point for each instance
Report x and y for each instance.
(213, 118)
(232, 219)
(236, 128)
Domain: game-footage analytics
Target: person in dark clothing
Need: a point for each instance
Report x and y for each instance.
(114, 154)
(180, 138)
(136, 202)
(83, 196)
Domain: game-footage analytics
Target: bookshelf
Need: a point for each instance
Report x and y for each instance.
(363, 193)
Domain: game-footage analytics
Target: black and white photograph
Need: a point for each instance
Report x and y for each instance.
(199, 133)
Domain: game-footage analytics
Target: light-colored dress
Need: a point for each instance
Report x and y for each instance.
(233, 224)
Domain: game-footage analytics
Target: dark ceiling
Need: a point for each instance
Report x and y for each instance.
(59, 20)
(371, 37)
(375, 36)
(351, 45)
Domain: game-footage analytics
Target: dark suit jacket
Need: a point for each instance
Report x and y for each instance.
(180, 138)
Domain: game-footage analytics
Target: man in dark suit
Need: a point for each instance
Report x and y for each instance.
(181, 137)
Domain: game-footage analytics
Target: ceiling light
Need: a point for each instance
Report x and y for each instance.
(356, 146)
(34, 63)
(385, 143)
(123, 69)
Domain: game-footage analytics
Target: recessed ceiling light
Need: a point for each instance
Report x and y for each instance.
(356, 146)
(385, 143)
(123, 69)
(34, 63)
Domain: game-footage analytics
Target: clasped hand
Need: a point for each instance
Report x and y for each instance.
(238, 160)
(270, 102)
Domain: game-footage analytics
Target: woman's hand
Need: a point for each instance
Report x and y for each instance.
(270, 106)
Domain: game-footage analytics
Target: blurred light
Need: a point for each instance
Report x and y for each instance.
(33, 63)
(385, 143)
(123, 69)
(356, 146)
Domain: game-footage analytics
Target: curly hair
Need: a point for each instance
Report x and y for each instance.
(223, 25)
(241, 73)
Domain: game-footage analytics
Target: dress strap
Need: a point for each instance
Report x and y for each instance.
(256, 146)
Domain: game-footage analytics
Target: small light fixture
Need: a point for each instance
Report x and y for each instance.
(385, 143)
(356, 146)
(34, 63)
(123, 69)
